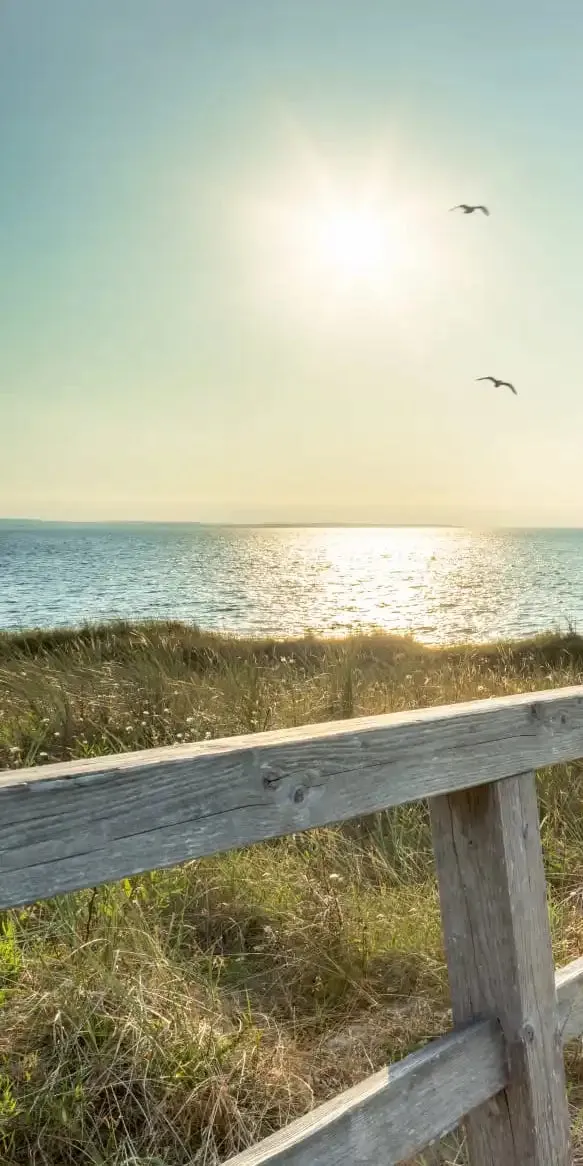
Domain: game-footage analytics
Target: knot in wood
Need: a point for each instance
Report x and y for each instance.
(526, 1033)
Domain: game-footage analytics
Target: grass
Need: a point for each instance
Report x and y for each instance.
(177, 1017)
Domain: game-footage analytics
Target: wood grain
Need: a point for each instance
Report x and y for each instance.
(494, 911)
(63, 827)
(398, 1111)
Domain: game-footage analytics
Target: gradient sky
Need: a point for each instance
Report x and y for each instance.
(162, 357)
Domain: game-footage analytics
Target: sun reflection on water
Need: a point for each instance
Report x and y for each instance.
(439, 584)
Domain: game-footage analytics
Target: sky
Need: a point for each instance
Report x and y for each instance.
(230, 285)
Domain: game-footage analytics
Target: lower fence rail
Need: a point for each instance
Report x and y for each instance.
(405, 1107)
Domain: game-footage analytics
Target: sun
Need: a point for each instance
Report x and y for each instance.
(324, 251)
(353, 242)
(333, 243)
(325, 244)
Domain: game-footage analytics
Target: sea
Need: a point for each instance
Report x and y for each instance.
(441, 585)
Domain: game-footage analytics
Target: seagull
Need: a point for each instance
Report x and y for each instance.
(469, 210)
(499, 384)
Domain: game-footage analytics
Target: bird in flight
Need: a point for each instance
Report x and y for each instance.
(469, 210)
(499, 384)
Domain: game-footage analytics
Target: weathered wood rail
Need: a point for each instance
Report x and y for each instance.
(65, 827)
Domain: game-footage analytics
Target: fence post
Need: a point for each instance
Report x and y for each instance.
(497, 938)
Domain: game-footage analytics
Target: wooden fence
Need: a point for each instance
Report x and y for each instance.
(64, 827)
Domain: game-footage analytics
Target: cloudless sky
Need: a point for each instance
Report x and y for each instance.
(157, 359)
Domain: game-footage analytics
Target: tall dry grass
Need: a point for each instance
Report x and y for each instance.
(176, 1017)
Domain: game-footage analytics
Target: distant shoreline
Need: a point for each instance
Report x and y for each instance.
(131, 523)
(125, 522)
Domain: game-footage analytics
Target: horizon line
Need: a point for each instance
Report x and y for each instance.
(281, 525)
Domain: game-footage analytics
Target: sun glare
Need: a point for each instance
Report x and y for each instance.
(324, 244)
(332, 244)
(354, 242)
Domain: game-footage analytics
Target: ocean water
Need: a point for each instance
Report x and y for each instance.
(441, 585)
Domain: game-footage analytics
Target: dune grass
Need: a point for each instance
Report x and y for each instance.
(179, 1016)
